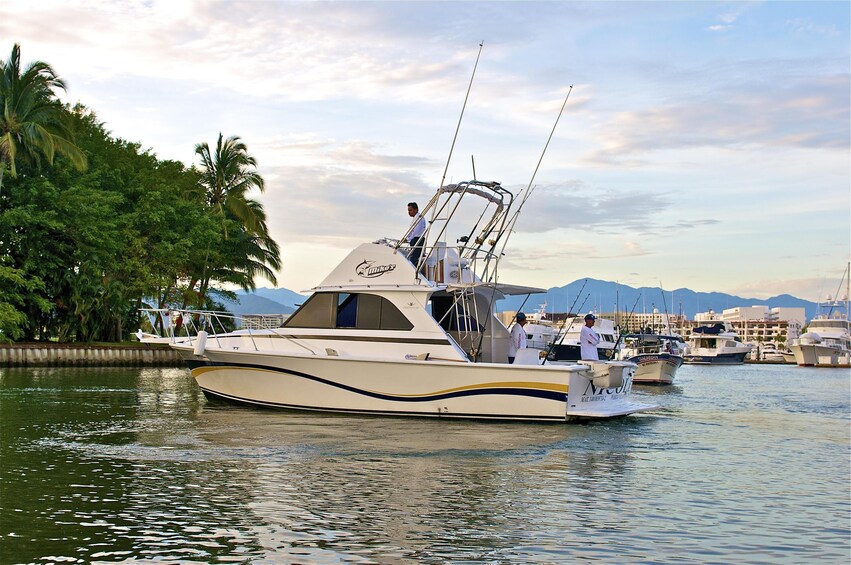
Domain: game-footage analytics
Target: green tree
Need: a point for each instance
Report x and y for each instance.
(244, 250)
(227, 176)
(34, 125)
(15, 287)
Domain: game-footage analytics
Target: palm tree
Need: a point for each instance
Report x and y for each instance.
(227, 177)
(33, 123)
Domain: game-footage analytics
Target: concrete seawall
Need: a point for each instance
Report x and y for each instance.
(83, 355)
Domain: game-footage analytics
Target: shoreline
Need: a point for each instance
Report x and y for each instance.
(50, 354)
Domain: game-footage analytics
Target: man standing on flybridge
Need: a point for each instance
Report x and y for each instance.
(588, 340)
(417, 231)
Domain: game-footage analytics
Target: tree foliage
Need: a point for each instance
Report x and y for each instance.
(83, 247)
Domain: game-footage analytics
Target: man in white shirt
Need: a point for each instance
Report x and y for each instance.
(415, 237)
(518, 337)
(588, 340)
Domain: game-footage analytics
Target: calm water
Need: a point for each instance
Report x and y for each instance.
(742, 464)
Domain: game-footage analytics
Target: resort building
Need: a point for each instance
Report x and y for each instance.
(263, 321)
(753, 324)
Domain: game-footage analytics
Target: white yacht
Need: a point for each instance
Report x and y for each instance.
(540, 330)
(658, 356)
(767, 352)
(381, 335)
(827, 341)
(717, 344)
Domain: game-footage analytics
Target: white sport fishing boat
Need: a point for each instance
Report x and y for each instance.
(381, 335)
(658, 356)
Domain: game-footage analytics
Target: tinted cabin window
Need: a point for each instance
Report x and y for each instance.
(317, 312)
(392, 318)
(369, 312)
(344, 310)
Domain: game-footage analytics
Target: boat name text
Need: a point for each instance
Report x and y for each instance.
(596, 394)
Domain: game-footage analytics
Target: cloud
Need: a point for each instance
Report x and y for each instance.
(729, 17)
(811, 112)
(344, 193)
(808, 27)
(578, 205)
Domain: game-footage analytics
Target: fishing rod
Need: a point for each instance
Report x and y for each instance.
(564, 333)
(484, 326)
(621, 334)
(530, 188)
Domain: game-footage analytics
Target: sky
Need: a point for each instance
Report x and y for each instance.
(704, 144)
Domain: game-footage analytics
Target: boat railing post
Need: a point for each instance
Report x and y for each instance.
(250, 335)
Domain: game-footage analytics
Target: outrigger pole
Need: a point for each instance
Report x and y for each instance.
(463, 107)
(434, 199)
(530, 188)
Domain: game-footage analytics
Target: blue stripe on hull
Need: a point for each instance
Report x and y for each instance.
(533, 393)
(298, 408)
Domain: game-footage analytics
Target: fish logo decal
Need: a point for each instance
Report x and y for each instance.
(369, 270)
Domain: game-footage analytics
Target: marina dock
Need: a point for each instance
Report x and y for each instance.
(51, 354)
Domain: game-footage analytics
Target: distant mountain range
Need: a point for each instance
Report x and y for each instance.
(603, 296)
(606, 296)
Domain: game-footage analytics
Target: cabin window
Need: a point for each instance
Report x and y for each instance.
(377, 313)
(316, 312)
(349, 310)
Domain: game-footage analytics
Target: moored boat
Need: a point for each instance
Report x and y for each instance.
(766, 352)
(657, 356)
(827, 341)
(717, 344)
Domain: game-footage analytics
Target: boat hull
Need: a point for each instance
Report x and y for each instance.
(719, 359)
(411, 387)
(815, 355)
(656, 368)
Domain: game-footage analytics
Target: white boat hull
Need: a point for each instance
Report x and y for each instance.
(815, 355)
(411, 387)
(657, 368)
